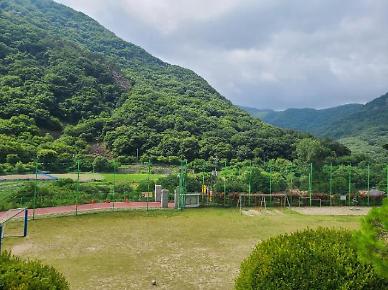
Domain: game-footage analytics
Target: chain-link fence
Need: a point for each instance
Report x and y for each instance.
(79, 186)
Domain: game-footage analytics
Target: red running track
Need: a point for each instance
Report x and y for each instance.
(90, 207)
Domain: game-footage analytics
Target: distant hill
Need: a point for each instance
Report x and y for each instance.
(365, 131)
(257, 113)
(307, 120)
(364, 128)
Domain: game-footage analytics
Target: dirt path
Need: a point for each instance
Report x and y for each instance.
(82, 208)
(332, 210)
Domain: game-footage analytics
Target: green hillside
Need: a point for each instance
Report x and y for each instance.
(70, 87)
(365, 131)
(372, 117)
(307, 120)
(363, 128)
(257, 113)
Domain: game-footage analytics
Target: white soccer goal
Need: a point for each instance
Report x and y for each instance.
(16, 221)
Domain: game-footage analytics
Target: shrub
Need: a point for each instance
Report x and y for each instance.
(311, 259)
(12, 158)
(372, 239)
(64, 181)
(102, 164)
(18, 274)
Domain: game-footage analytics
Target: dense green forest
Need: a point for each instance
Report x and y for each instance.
(363, 128)
(70, 89)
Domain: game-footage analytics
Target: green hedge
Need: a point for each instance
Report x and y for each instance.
(32, 275)
(311, 259)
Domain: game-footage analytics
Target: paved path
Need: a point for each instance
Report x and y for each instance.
(82, 208)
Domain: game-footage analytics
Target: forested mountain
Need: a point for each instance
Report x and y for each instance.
(363, 128)
(308, 120)
(69, 87)
(365, 131)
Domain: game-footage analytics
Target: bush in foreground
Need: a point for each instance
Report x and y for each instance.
(372, 239)
(311, 259)
(18, 274)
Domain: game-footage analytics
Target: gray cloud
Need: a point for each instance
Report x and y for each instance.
(266, 54)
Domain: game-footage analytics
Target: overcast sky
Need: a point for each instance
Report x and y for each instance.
(263, 53)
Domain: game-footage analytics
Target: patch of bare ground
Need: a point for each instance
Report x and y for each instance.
(332, 210)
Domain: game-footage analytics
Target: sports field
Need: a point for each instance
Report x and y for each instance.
(192, 249)
(86, 177)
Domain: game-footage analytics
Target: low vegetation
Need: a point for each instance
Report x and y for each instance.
(17, 274)
(372, 239)
(322, 259)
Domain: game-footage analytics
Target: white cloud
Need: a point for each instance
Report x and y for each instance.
(265, 53)
(169, 15)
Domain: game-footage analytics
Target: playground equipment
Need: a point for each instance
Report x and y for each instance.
(13, 214)
(260, 200)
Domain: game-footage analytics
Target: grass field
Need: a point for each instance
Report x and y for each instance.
(193, 249)
(133, 177)
(86, 176)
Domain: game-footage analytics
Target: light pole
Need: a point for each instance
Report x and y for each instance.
(148, 180)
(368, 184)
(331, 182)
(77, 188)
(387, 182)
(270, 186)
(225, 187)
(35, 189)
(311, 183)
(250, 184)
(114, 184)
(350, 183)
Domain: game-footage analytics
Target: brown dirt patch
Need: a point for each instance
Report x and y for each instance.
(332, 210)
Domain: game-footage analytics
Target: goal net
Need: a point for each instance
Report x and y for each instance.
(13, 223)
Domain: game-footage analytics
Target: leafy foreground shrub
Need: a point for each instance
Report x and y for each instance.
(18, 274)
(372, 239)
(311, 259)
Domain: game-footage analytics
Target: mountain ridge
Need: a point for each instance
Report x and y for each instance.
(305, 119)
(364, 128)
(64, 74)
